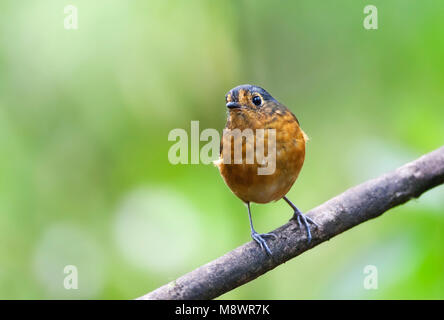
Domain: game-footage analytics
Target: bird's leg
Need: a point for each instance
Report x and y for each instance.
(259, 238)
(298, 216)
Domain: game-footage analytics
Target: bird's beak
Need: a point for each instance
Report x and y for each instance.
(233, 105)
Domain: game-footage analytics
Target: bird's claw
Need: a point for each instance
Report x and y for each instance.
(298, 216)
(260, 239)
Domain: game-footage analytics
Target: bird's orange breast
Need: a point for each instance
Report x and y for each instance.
(243, 179)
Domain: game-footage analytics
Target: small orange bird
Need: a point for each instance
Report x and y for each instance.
(253, 112)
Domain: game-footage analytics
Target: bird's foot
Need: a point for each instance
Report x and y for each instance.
(303, 219)
(260, 239)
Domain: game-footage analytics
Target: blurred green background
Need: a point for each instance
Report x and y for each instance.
(85, 115)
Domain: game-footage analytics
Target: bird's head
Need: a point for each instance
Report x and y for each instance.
(252, 106)
(248, 98)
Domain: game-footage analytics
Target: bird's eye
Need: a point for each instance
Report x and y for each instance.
(257, 100)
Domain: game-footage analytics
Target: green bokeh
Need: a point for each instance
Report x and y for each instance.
(85, 115)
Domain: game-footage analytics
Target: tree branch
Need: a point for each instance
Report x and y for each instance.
(356, 205)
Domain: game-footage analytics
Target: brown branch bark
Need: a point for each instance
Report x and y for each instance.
(356, 205)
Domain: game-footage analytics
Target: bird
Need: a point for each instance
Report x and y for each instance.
(251, 108)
